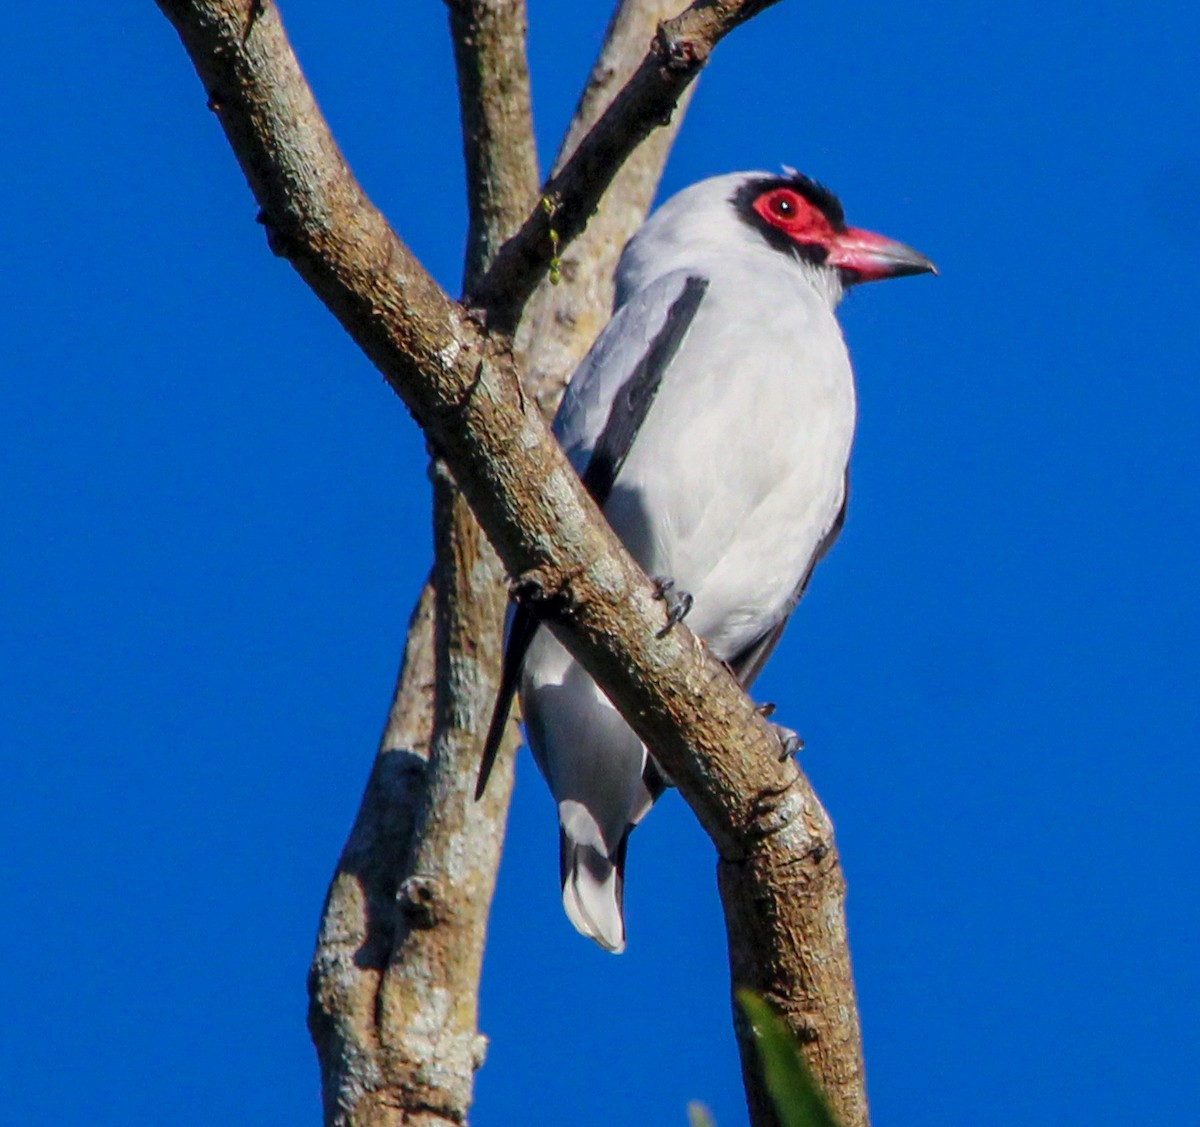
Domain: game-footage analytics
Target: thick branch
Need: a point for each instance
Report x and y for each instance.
(497, 123)
(427, 1005)
(425, 855)
(677, 54)
(360, 917)
(773, 836)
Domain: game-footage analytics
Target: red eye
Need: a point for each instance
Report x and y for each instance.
(789, 212)
(784, 204)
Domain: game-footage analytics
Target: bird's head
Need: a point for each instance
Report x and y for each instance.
(746, 219)
(800, 217)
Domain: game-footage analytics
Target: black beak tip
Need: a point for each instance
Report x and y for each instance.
(918, 264)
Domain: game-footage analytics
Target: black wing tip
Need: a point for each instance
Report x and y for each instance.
(636, 395)
(520, 633)
(491, 747)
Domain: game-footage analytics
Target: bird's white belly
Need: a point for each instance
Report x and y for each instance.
(731, 487)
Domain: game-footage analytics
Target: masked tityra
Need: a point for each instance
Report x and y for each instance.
(712, 422)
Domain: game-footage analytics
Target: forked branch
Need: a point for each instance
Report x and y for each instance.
(680, 49)
(780, 877)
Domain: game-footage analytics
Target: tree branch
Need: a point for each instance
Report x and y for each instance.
(427, 1010)
(780, 875)
(561, 321)
(497, 123)
(427, 1004)
(391, 1050)
(412, 824)
(678, 53)
(361, 913)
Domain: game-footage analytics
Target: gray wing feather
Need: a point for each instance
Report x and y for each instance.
(636, 396)
(748, 664)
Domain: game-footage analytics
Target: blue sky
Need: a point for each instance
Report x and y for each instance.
(215, 520)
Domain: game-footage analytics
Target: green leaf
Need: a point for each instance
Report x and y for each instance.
(797, 1099)
(699, 1115)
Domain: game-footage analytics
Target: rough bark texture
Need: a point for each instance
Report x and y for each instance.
(780, 877)
(497, 124)
(427, 1007)
(415, 1023)
(561, 321)
(400, 834)
(678, 52)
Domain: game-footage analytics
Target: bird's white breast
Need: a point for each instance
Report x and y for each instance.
(738, 470)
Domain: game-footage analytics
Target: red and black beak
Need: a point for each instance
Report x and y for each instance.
(863, 256)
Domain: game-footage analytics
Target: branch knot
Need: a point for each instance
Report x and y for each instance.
(282, 244)
(677, 54)
(546, 596)
(775, 810)
(418, 898)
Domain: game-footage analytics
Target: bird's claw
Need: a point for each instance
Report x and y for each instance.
(790, 742)
(678, 602)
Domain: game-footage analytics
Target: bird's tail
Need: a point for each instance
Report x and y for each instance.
(594, 890)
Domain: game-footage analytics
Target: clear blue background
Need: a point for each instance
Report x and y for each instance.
(214, 521)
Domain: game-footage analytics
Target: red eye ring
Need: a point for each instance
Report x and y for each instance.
(788, 211)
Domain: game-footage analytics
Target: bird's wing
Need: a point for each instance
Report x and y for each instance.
(634, 393)
(603, 410)
(521, 630)
(749, 662)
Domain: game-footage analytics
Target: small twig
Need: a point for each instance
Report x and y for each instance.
(677, 54)
(550, 206)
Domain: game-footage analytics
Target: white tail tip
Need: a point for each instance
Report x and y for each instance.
(592, 895)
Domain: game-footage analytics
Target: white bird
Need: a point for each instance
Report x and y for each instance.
(712, 422)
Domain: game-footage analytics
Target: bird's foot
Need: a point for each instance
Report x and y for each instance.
(790, 743)
(678, 603)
